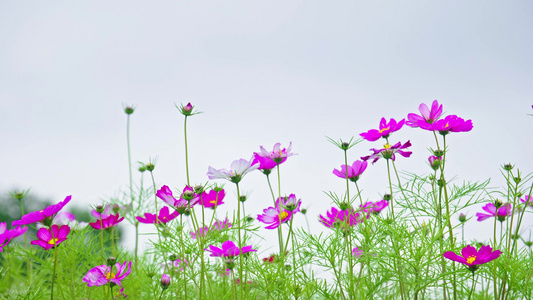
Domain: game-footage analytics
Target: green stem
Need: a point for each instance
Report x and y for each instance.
(240, 239)
(390, 188)
(347, 180)
(186, 152)
(55, 265)
(280, 230)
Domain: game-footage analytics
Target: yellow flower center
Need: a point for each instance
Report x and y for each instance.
(41, 211)
(470, 259)
(52, 241)
(386, 128)
(109, 275)
(214, 201)
(164, 218)
(386, 146)
(283, 215)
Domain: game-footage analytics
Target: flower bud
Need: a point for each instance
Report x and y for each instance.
(172, 257)
(435, 162)
(508, 167)
(387, 197)
(165, 281)
(345, 146)
(438, 153)
(498, 203)
(116, 208)
(150, 167)
(99, 209)
(242, 198)
(528, 243)
(198, 189)
(142, 169)
(517, 179)
(129, 110)
(111, 261)
(462, 218)
(188, 195)
(303, 211)
(345, 206)
(150, 273)
(230, 263)
(249, 219)
(441, 182)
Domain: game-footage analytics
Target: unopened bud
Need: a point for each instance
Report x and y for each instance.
(304, 211)
(345, 206)
(99, 209)
(188, 195)
(230, 263)
(345, 146)
(441, 182)
(462, 218)
(172, 257)
(387, 197)
(438, 153)
(242, 198)
(116, 208)
(508, 167)
(150, 167)
(498, 203)
(111, 261)
(129, 110)
(517, 179)
(165, 281)
(142, 169)
(198, 189)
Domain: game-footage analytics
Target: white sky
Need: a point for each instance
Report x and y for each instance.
(262, 72)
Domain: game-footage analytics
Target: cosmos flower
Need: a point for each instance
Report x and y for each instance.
(374, 208)
(165, 281)
(188, 195)
(272, 216)
(501, 212)
(528, 201)
(48, 239)
(229, 249)
(472, 258)
(6, 235)
(343, 219)
(426, 117)
(389, 151)
(353, 171)
(163, 216)
(45, 215)
(384, 131)
(103, 274)
(107, 222)
(239, 168)
(217, 226)
(452, 123)
(213, 198)
(268, 160)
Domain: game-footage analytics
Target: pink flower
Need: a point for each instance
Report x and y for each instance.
(290, 203)
(46, 214)
(217, 226)
(268, 160)
(48, 239)
(103, 274)
(229, 249)
(6, 235)
(452, 123)
(385, 129)
(353, 171)
(501, 213)
(239, 168)
(107, 222)
(163, 216)
(357, 252)
(527, 200)
(273, 215)
(389, 151)
(472, 258)
(213, 198)
(343, 219)
(427, 117)
(188, 195)
(165, 281)
(374, 208)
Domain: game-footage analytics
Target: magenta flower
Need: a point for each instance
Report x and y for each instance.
(213, 198)
(163, 216)
(48, 239)
(452, 123)
(46, 214)
(472, 258)
(385, 129)
(426, 117)
(188, 195)
(343, 219)
(357, 252)
(269, 160)
(374, 208)
(353, 171)
(229, 249)
(527, 200)
(389, 151)
(501, 213)
(6, 235)
(103, 274)
(239, 168)
(107, 222)
(165, 281)
(217, 226)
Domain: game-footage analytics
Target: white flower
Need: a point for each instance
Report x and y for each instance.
(239, 168)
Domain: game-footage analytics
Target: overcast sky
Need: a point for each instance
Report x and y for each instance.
(262, 72)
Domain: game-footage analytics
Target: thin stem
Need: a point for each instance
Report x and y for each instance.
(186, 152)
(347, 180)
(240, 238)
(55, 265)
(390, 188)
